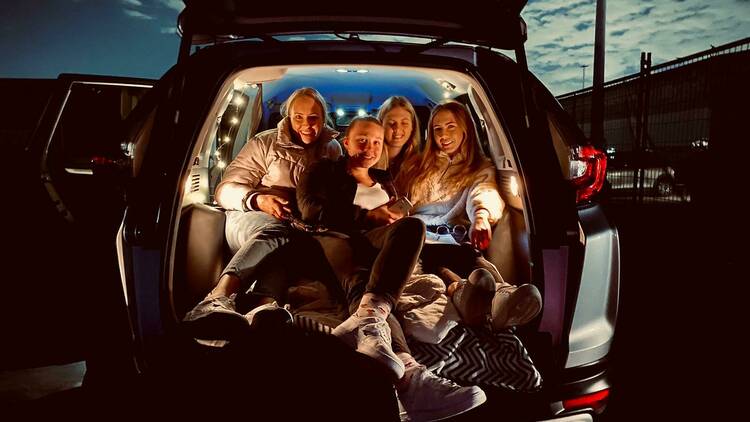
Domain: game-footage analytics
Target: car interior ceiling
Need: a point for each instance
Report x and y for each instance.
(201, 252)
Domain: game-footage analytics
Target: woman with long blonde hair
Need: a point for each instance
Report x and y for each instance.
(452, 186)
(402, 134)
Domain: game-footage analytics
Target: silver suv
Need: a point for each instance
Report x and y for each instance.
(171, 243)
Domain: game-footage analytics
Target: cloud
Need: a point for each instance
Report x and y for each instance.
(138, 15)
(169, 30)
(561, 35)
(135, 3)
(177, 5)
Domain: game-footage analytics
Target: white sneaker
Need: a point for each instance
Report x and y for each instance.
(269, 315)
(371, 336)
(515, 305)
(215, 318)
(428, 397)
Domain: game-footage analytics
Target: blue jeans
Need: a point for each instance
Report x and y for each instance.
(252, 236)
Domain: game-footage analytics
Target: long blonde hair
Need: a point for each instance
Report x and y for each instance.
(419, 168)
(412, 144)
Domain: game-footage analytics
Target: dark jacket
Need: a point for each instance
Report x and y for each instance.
(325, 196)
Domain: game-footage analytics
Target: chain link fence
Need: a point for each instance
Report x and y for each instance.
(660, 123)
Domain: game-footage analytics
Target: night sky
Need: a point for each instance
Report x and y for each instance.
(43, 38)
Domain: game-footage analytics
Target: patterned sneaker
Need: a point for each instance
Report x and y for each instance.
(424, 396)
(215, 318)
(370, 336)
(515, 305)
(269, 315)
(473, 297)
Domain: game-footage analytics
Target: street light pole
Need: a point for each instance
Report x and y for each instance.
(597, 91)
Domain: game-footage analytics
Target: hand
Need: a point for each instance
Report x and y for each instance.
(273, 205)
(481, 233)
(382, 216)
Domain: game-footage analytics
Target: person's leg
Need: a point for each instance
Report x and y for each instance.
(241, 230)
(399, 246)
(216, 317)
(367, 329)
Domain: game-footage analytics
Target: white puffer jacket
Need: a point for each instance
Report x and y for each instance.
(271, 159)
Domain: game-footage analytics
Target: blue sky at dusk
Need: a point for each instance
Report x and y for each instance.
(43, 38)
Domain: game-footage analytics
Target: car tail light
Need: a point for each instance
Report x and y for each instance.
(588, 169)
(596, 401)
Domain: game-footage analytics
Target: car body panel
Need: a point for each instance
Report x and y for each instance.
(495, 24)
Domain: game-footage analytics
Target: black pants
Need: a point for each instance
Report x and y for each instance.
(459, 260)
(381, 263)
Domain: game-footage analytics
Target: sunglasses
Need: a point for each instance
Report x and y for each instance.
(458, 231)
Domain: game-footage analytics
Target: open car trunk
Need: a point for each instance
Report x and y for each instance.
(174, 224)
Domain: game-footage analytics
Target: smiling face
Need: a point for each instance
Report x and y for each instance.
(364, 144)
(448, 134)
(398, 127)
(306, 117)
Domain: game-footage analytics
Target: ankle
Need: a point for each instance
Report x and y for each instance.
(374, 305)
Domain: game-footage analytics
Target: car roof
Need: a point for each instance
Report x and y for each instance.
(495, 23)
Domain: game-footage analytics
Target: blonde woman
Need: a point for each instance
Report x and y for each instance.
(258, 192)
(401, 137)
(452, 186)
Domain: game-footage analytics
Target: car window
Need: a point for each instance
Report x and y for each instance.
(92, 115)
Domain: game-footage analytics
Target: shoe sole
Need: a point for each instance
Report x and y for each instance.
(525, 299)
(454, 409)
(481, 292)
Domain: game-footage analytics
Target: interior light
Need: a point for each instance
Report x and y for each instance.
(447, 85)
(234, 120)
(221, 164)
(446, 94)
(340, 112)
(238, 100)
(217, 153)
(362, 70)
(254, 86)
(361, 112)
(226, 140)
(514, 188)
(341, 70)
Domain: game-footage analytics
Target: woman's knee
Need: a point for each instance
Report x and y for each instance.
(410, 228)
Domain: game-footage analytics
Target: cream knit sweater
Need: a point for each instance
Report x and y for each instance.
(437, 204)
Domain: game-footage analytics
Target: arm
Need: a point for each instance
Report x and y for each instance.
(484, 199)
(243, 175)
(484, 207)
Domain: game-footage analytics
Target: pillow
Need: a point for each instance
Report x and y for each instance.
(474, 356)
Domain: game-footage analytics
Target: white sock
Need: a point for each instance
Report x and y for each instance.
(373, 305)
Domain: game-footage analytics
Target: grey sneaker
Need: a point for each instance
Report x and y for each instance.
(215, 318)
(515, 305)
(473, 297)
(371, 336)
(424, 396)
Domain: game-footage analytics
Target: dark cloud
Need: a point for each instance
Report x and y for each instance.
(618, 33)
(582, 26)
